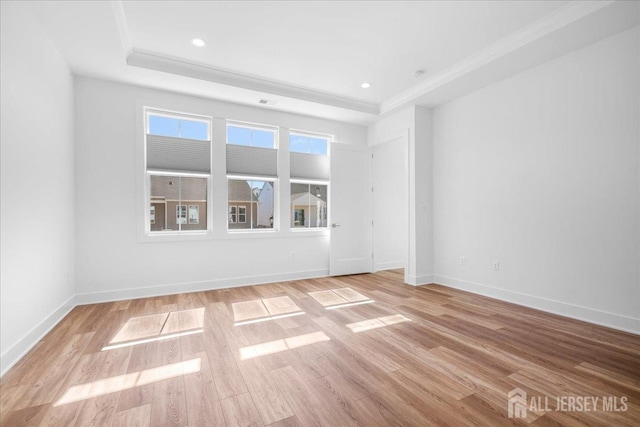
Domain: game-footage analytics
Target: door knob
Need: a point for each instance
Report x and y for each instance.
(334, 225)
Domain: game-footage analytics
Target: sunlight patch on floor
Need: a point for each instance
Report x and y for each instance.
(127, 381)
(261, 310)
(148, 340)
(156, 327)
(284, 344)
(378, 322)
(339, 298)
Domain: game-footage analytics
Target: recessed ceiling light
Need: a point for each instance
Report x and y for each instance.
(365, 85)
(198, 42)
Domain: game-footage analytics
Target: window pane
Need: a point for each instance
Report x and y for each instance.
(238, 136)
(232, 214)
(193, 194)
(299, 205)
(263, 138)
(254, 201)
(266, 200)
(242, 214)
(308, 205)
(193, 130)
(181, 214)
(164, 126)
(318, 146)
(178, 203)
(298, 144)
(318, 206)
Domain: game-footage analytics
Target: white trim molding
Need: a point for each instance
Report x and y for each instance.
(573, 311)
(560, 18)
(390, 265)
(425, 279)
(17, 351)
(182, 67)
(205, 285)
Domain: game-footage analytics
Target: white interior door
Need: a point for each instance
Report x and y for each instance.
(350, 210)
(390, 205)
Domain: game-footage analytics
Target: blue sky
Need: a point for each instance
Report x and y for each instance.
(169, 126)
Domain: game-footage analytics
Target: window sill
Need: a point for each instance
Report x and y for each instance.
(232, 235)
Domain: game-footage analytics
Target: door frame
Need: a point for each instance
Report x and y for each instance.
(403, 137)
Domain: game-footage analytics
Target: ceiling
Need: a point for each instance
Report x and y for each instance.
(312, 56)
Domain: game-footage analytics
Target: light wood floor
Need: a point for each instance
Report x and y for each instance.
(301, 353)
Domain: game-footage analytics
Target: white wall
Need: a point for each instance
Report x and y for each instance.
(541, 172)
(37, 187)
(113, 263)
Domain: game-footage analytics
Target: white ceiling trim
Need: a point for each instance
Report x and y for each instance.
(544, 26)
(554, 21)
(121, 24)
(159, 62)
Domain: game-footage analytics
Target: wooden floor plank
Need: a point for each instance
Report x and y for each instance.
(139, 416)
(240, 411)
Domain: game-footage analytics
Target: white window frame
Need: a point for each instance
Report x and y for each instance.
(155, 111)
(217, 228)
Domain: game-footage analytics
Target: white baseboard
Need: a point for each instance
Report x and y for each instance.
(420, 280)
(17, 351)
(379, 266)
(598, 317)
(205, 285)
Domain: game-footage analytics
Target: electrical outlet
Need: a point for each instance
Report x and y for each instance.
(495, 265)
(462, 261)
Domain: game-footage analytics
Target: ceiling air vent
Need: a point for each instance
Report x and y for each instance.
(267, 102)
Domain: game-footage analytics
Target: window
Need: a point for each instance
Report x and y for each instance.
(308, 144)
(241, 134)
(164, 125)
(251, 204)
(308, 205)
(310, 172)
(152, 215)
(242, 214)
(252, 170)
(177, 195)
(178, 164)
